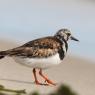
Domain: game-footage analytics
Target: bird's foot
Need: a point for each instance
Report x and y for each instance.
(50, 82)
(38, 83)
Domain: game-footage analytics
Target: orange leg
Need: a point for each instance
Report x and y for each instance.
(35, 77)
(46, 79)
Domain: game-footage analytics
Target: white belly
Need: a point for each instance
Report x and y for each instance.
(39, 63)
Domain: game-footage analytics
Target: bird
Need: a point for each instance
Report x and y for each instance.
(42, 53)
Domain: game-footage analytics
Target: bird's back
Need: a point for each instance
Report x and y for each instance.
(43, 47)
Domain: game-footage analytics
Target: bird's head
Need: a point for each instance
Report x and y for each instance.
(65, 34)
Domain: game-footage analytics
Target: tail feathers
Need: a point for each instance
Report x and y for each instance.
(2, 54)
(1, 57)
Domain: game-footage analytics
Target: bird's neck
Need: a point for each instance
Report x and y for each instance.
(62, 40)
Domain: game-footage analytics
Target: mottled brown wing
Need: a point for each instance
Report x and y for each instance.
(43, 47)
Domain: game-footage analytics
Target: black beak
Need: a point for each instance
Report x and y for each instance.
(73, 38)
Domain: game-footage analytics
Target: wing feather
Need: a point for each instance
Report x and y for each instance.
(43, 47)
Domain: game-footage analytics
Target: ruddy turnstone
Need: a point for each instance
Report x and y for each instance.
(41, 53)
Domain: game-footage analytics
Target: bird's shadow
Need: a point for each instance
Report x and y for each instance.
(17, 81)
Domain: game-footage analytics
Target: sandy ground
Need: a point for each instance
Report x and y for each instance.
(78, 73)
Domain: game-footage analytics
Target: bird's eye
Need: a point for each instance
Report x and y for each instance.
(68, 34)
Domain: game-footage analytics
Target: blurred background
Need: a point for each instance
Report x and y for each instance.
(25, 20)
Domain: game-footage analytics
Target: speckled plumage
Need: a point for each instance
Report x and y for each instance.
(39, 48)
(43, 47)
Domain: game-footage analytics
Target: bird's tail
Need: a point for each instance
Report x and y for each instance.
(3, 54)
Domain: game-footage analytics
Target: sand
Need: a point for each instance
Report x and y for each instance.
(76, 72)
